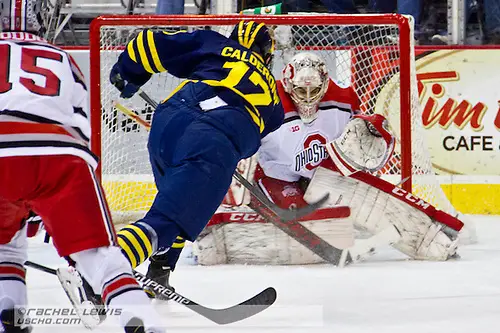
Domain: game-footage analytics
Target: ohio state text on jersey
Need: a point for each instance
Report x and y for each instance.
(296, 148)
(43, 100)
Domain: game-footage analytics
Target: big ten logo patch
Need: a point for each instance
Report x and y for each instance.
(313, 152)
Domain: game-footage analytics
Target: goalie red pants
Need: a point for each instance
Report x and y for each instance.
(64, 192)
(193, 154)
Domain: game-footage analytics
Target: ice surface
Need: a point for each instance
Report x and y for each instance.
(385, 294)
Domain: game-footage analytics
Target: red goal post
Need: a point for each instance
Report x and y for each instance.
(376, 55)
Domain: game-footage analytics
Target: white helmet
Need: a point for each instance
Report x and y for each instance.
(305, 78)
(24, 15)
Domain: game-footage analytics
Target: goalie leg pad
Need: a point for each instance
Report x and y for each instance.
(364, 248)
(436, 244)
(238, 235)
(373, 210)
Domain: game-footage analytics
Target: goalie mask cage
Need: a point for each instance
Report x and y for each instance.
(373, 53)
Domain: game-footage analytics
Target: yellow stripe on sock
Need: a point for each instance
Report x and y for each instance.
(144, 238)
(178, 245)
(128, 252)
(135, 243)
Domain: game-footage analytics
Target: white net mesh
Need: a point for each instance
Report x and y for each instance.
(365, 55)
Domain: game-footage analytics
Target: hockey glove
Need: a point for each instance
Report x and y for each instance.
(127, 88)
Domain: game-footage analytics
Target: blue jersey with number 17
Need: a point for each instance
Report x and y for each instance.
(213, 59)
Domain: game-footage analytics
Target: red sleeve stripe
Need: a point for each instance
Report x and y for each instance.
(12, 271)
(12, 131)
(31, 128)
(117, 286)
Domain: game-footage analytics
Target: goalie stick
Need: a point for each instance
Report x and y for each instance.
(284, 219)
(283, 214)
(243, 310)
(295, 229)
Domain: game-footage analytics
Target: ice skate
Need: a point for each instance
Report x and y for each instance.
(88, 305)
(159, 271)
(8, 318)
(136, 325)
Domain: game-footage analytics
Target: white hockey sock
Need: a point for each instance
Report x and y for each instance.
(109, 273)
(135, 303)
(12, 286)
(12, 271)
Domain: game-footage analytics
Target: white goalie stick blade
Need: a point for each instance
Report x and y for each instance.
(73, 286)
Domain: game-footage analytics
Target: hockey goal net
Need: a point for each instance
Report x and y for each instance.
(373, 53)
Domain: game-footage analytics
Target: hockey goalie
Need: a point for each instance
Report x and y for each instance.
(327, 146)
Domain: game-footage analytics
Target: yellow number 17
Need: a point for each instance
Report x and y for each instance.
(236, 74)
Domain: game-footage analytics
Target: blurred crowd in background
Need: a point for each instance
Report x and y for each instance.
(480, 18)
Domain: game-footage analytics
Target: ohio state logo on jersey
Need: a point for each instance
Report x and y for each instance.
(313, 153)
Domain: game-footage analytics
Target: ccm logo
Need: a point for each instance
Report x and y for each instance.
(245, 217)
(410, 197)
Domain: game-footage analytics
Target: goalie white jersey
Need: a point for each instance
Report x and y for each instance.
(296, 148)
(43, 100)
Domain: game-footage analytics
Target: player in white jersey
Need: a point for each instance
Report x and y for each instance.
(327, 145)
(47, 167)
(317, 110)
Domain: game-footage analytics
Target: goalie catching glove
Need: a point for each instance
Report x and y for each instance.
(365, 145)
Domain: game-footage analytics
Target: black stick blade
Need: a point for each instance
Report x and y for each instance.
(283, 214)
(241, 311)
(296, 214)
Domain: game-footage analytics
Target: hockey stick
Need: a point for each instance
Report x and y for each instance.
(283, 214)
(243, 310)
(284, 219)
(297, 231)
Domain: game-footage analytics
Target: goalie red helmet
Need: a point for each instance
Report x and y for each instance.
(256, 37)
(305, 79)
(24, 15)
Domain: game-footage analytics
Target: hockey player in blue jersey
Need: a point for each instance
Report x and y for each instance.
(211, 121)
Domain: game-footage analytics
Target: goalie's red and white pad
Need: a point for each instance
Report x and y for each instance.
(426, 233)
(238, 235)
(365, 145)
